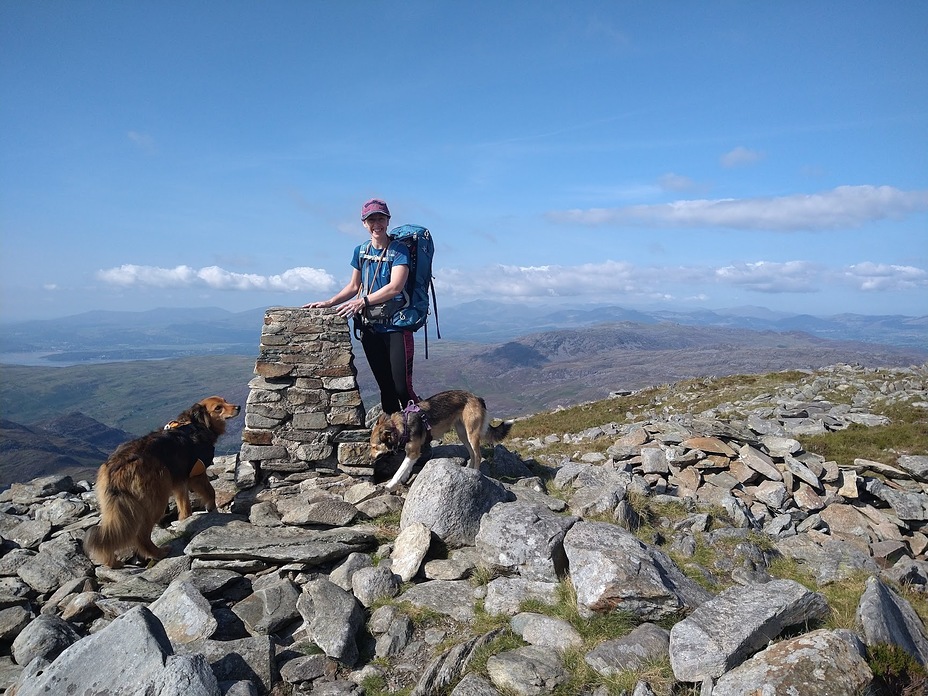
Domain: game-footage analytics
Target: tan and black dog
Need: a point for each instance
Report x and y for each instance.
(412, 429)
(134, 485)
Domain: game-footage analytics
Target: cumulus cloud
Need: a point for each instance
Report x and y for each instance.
(841, 208)
(765, 276)
(216, 278)
(740, 157)
(880, 276)
(514, 282)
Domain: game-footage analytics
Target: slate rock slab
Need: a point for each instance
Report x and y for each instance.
(726, 630)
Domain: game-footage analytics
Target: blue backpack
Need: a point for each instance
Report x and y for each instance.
(414, 314)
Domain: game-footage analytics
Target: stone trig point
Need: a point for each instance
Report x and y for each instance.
(304, 410)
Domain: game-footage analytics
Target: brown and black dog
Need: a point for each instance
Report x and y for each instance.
(134, 485)
(412, 429)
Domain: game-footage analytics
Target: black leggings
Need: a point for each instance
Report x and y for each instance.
(390, 356)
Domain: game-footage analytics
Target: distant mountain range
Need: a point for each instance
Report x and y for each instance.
(108, 388)
(173, 333)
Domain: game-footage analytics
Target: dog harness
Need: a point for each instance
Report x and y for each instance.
(198, 468)
(412, 407)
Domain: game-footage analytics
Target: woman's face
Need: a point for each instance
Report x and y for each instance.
(377, 223)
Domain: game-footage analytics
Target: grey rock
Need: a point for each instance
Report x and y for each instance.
(524, 538)
(269, 608)
(333, 618)
(342, 574)
(820, 663)
(237, 688)
(240, 660)
(647, 642)
(916, 465)
(30, 533)
(780, 446)
(474, 685)
(454, 598)
(409, 549)
(279, 544)
(184, 613)
(771, 493)
(830, 560)
(527, 671)
(722, 632)
(45, 637)
(59, 561)
(504, 595)
(801, 471)
(306, 668)
(186, 675)
(449, 569)
(13, 620)
(134, 587)
(546, 631)
(212, 583)
(907, 506)
(612, 569)
(397, 636)
(328, 511)
(135, 642)
(450, 500)
(886, 617)
(505, 465)
(370, 584)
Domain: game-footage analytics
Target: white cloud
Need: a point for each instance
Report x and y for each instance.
(293, 280)
(764, 276)
(841, 208)
(880, 276)
(621, 281)
(740, 157)
(607, 281)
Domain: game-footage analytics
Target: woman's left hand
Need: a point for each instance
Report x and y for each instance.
(352, 307)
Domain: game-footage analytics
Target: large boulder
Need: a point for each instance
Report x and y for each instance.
(612, 569)
(450, 499)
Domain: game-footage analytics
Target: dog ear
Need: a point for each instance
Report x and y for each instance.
(382, 418)
(200, 414)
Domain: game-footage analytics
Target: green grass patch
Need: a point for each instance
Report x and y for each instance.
(907, 433)
(690, 395)
(896, 672)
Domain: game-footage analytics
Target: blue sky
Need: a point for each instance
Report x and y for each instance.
(676, 155)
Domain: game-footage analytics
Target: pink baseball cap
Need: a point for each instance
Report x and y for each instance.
(374, 206)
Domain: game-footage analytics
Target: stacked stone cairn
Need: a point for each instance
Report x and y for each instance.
(304, 409)
(301, 584)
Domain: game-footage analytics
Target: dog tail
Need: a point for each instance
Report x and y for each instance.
(121, 517)
(496, 433)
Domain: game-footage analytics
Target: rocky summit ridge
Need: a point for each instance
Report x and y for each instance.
(643, 560)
